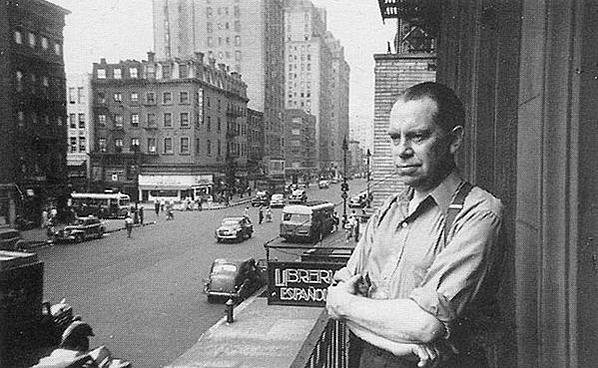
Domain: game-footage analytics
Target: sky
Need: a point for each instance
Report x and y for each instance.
(122, 29)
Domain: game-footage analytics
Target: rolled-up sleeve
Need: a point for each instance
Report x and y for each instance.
(455, 276)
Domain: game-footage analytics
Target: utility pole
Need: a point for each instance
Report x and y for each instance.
(344, 185)
(368, 155)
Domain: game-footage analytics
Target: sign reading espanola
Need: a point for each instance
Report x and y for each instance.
(300, 283)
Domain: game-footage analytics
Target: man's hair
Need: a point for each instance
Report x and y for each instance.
(450, 108)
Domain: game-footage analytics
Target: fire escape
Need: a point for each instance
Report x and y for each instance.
(232, 143)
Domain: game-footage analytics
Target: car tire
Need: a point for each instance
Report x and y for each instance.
(79, 238)
(218, 240)
(211, 299)
(100, 234)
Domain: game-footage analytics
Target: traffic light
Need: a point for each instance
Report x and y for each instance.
(345, 187)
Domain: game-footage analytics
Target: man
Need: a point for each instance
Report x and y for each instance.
(425, 287)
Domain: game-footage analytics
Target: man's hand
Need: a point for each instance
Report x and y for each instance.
(340, 295)
(428, 355)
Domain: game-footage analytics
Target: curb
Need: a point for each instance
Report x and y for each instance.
(31, 244)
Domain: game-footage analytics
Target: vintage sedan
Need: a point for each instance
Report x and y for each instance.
(298, 196)
(81, 229)
(10, 239)
(361, 200)
(234, 229)
(262, 198)
(277, 200)
(236, 279)
(324, 184)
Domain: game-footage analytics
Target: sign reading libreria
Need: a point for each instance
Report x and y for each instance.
(300, 283)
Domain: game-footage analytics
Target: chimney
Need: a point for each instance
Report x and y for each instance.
(102, 60)
(199, 56)
(213, 63)
(150, 56)
(222, 66)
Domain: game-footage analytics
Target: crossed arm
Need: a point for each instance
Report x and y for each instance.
(396, 325)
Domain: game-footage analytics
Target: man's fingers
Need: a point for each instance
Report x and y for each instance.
(427, 355)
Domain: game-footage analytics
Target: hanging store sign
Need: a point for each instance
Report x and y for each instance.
(300, 283)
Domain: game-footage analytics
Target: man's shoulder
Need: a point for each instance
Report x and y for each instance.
(484, 201)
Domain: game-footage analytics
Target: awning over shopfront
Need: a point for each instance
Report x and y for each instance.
(78, 162)
(172, 182)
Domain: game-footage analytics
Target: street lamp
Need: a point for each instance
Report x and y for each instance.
(344, 185)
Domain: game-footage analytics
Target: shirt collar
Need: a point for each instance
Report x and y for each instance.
(442, 194)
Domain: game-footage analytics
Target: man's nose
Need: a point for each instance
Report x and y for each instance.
(404, 150)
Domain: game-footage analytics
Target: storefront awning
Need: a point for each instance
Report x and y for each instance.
(75, 162)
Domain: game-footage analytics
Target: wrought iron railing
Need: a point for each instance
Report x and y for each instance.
(327, 346)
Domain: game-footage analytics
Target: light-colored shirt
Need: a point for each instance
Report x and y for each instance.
(406, 254)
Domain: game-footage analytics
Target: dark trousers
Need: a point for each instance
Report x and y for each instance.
(373, 357)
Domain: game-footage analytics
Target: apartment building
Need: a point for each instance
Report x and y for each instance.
(247, 36)
(32, 109)
(79, 131)
(163, 126)
(300, 139)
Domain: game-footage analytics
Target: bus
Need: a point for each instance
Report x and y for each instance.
(310, 221)
(102, 205)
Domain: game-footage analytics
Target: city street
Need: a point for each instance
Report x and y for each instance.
(143, 296)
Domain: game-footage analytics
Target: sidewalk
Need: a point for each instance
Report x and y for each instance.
(261, 335)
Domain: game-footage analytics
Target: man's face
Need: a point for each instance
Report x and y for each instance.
(422, 152)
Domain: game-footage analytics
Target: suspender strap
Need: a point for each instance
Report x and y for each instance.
(456, 206)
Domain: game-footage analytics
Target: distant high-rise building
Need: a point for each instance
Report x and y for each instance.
(247, 35)
(80, 131)
(32, 109)
(308, 67)
(339, 100)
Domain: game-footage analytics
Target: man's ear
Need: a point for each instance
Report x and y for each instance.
(456, 138)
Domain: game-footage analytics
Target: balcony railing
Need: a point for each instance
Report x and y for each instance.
(327, 345)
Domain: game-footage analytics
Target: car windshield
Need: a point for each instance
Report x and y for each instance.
(224, 268)
(297, 192)
(230, 222)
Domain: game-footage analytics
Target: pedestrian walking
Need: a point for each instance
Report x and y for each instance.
(157, 207)
(260, 215)
(129, 224)
(141, 214)
(162, 205)
(268, 214)
(246, 212)
(335, 222)
(44, 218)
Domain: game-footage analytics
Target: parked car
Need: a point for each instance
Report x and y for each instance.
(236, 279)
(323, 184)
(81, 229)
(361, 200)
(298, 196)
(277, 200)
(234, 229)
(262, 198)
(10, 239)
